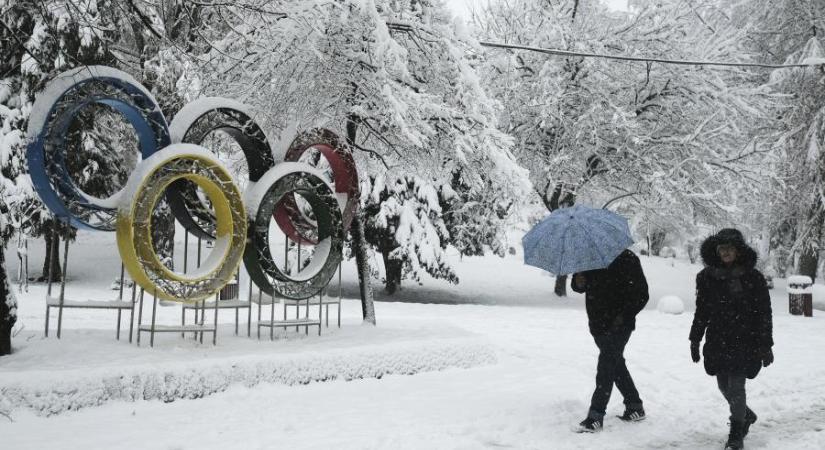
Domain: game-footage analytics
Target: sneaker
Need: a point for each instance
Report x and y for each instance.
(632, 415)
(750, 419)
(589, 425)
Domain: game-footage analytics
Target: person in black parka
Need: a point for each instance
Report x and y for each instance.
(613, 296)
(733, 313)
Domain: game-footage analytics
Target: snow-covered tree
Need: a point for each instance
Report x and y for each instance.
(394, 77)
(649, 137)
(156, 40)
(475, 219)
(406, 226)
(791, 31)
(37, 41)
(40, 39)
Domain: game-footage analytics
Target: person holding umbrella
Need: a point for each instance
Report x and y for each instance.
(592, 245)
(733, 313)
(613, 296)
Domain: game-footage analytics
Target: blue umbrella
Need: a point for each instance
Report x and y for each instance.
(576, 239)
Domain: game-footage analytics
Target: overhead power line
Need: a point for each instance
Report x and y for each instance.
(554, 51)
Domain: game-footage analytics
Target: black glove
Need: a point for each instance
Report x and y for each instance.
(694, 351)
(767, 356)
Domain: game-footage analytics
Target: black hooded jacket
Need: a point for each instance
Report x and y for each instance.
(733, 309)
(614, 295)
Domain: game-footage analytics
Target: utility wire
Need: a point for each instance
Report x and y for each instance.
(553, 51)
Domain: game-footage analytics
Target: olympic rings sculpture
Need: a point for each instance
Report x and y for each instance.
(175, 164)
(347, 190)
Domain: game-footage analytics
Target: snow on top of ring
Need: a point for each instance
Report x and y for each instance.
(146, 167)
(110, 202)
(193, 110)
(63, 82)
(255, 192)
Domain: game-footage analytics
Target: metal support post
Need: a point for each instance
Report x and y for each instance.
(132, 315)
(62, 286)
(50, 276)
(260, 295)
(339, 295)
(140, 315)
(272, 319)
(215, 325)
(249, 311)
(120, 299)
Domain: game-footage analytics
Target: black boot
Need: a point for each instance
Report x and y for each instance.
(750, 419)
(735, 437)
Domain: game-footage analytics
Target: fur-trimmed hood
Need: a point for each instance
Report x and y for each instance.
(745, 255)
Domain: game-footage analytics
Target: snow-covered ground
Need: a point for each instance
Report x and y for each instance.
(495, 362)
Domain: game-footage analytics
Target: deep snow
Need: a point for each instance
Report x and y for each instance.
(529, 380)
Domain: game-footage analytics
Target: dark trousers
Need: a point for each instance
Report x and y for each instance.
(610, 370)
(733, 388)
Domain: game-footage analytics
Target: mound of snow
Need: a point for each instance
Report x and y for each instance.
(50, 392)
(671, 304)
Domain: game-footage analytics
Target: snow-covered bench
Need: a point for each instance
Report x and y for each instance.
(229, 298)
(61, 302)
(325, 301)
(197, 328)
(118, 305)
(320, 300)
(306, 322)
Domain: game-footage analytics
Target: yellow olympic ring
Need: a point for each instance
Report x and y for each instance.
(144, 189)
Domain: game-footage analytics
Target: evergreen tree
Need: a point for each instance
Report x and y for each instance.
(475, 219)
(406, 226)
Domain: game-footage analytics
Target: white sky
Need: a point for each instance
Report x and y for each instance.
(463, 7)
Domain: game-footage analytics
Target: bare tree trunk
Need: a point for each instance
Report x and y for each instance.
(359, 243)
(362, 260)
(392, 268)
(809, 258)
(656, 242)
(7, 305)
(808, 262)
(52, 254)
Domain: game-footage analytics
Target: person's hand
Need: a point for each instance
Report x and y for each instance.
(767, 356)
(694, 351)
(579, 280)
